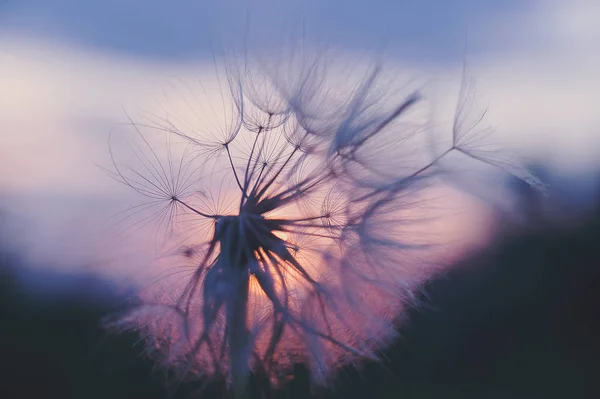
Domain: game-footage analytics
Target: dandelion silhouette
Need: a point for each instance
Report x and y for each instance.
(287, 202)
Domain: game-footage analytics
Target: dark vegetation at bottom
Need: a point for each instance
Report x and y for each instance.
(519, 319)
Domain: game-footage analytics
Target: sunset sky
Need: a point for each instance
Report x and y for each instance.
(68, 69)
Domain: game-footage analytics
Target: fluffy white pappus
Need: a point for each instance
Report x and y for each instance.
(288, 208)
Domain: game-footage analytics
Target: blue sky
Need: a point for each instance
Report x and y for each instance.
(433, 30)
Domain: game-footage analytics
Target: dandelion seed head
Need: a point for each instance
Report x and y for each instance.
(291, 228)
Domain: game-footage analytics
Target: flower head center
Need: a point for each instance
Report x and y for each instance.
(247, 237)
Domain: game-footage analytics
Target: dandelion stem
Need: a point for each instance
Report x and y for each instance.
(234, 171)
(400, 184)
(216, 217)
(247, 175)
(239, 336)
(274, 178)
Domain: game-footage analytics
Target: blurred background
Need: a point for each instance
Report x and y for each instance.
(516, 314)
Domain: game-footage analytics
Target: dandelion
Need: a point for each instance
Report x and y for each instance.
(290, 220)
